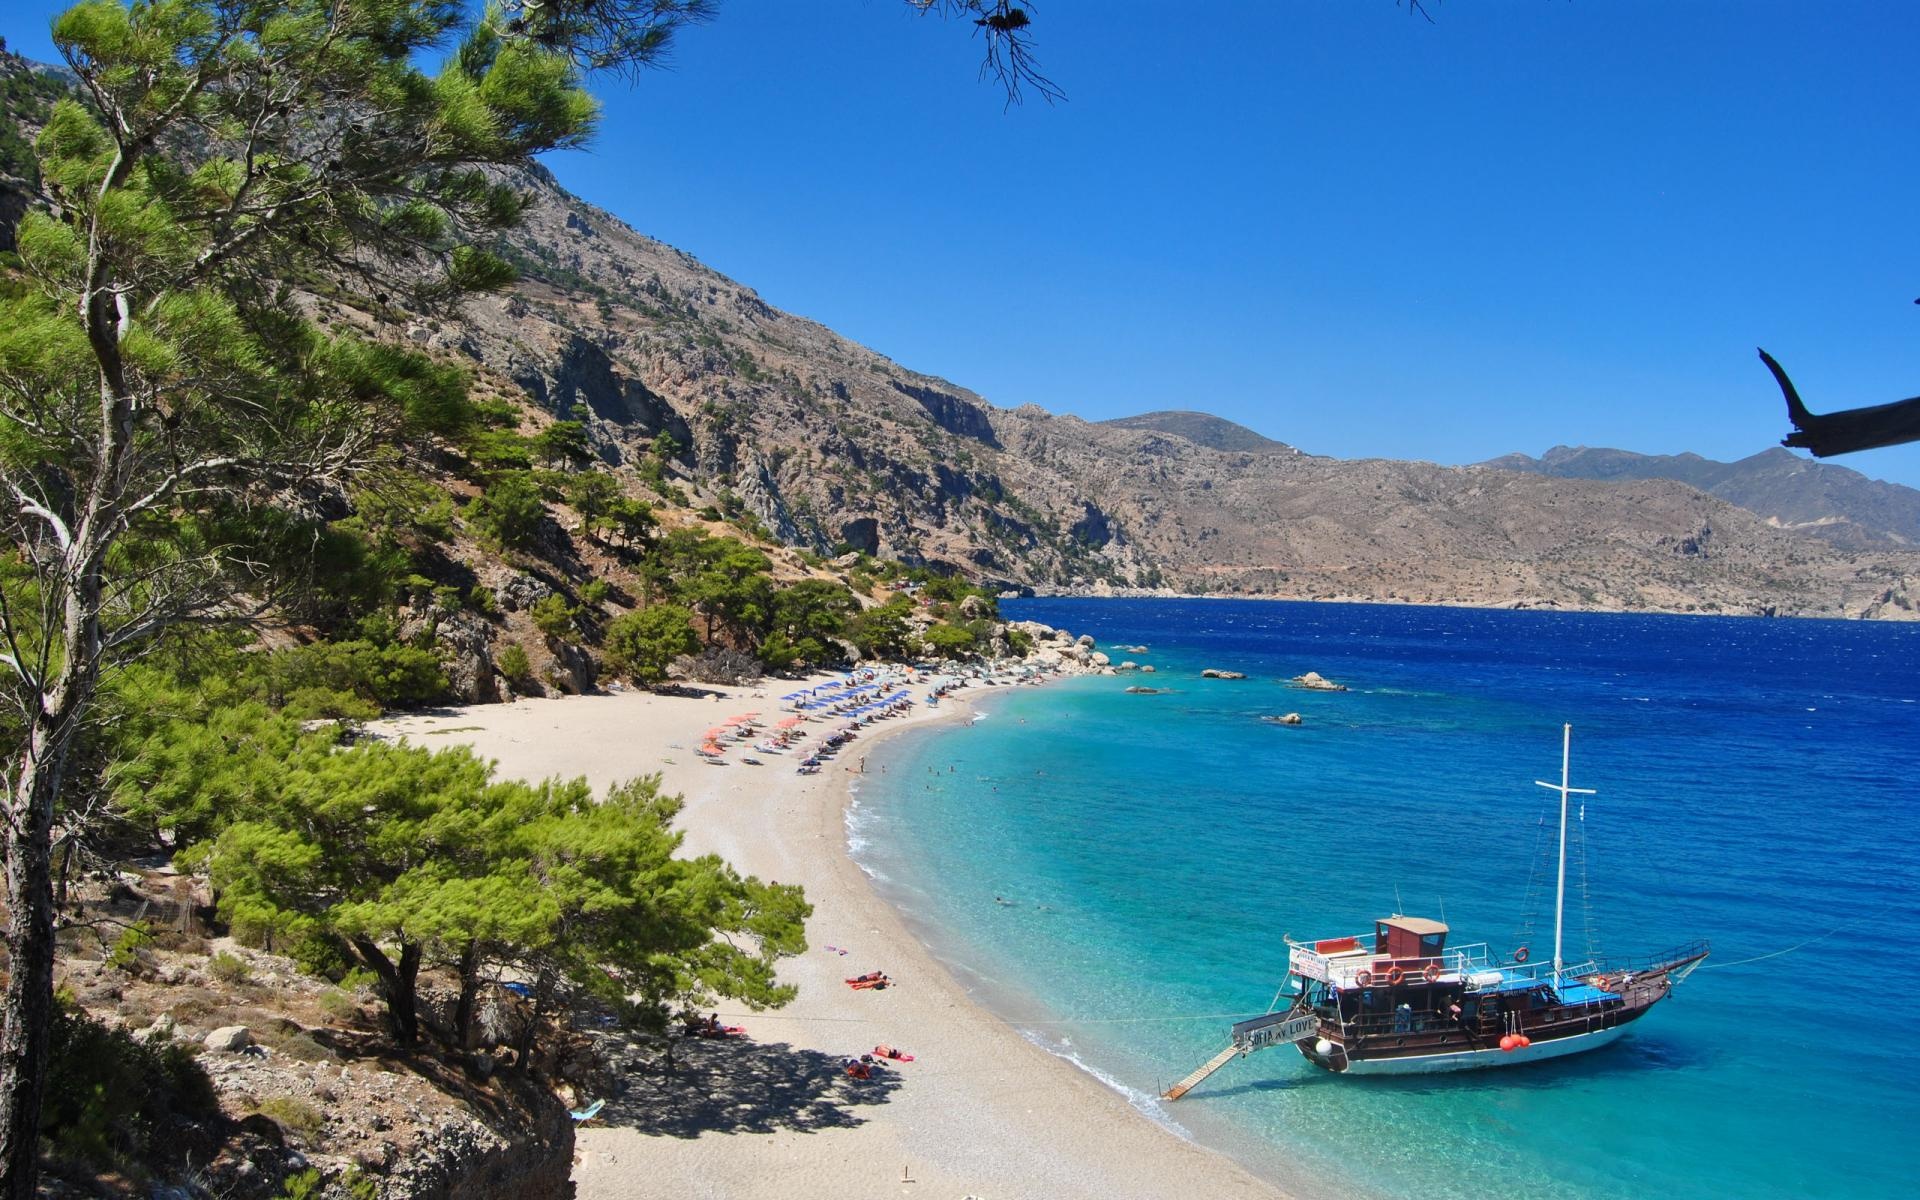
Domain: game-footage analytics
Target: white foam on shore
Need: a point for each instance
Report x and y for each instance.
(1145, 1103)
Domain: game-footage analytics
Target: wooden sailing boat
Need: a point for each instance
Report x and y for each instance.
(1400, 1001)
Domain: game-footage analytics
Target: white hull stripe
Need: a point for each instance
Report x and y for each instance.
(1493, 1056)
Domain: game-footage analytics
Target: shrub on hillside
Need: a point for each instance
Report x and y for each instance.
(641, 645)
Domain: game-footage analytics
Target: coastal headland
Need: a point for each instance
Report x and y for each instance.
(979, 1112)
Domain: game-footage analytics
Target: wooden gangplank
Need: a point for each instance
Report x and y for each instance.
(1192, 1081)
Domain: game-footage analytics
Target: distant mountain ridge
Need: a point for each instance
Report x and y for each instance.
(1832, 502)
(1204, 429)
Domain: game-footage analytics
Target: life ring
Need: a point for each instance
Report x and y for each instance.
(1432, 973)
(1363, 979)
(1394, 976)
(1520, 955)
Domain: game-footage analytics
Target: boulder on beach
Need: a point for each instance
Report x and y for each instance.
(1213, 673)
(1318, 682)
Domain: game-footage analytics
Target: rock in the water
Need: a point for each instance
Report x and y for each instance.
(1289, 719)
(1212, 673)
(1146, 669)
(1318, 682)
(230, 1038)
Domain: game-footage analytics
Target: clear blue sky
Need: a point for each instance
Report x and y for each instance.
(1530, 222)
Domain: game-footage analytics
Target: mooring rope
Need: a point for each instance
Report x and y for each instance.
(1741, 962)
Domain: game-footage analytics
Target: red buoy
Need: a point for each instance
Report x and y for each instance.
(1508, 1042)
(1524, 1041)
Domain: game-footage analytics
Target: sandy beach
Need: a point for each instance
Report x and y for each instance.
(980, 1112)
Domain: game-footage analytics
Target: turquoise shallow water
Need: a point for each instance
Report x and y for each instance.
(1756, 787)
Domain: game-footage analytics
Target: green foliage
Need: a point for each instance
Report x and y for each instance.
(229, 968)
(301, 1185)
(949, 641)
(553, 616)
(161, 381)
(500, 450)
(397, 852)
(309, 681)
(882, 632)
(563, 442)
(117, 1098)
(430, 397)
(509, 512)
(642, 645)
(514, 665)
(125, 955)
(338, 1004)
(727, 581)
(1020, 642)
(192, 747)
(593, 495)
(295, 1116)
(633, 519)
(595, 592)
(808, 617)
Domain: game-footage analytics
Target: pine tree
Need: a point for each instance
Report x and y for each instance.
(157, 383)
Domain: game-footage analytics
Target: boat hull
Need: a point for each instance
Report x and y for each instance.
(1473, 1060)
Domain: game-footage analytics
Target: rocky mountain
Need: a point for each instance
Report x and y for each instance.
(832, 446)
(1204, 429)
(1832, 502)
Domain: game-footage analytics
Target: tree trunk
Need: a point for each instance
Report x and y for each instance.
(28, 840)
(29, 1006)
(28, 1013)
(397, 985)
(523, 1049)
(469, 992)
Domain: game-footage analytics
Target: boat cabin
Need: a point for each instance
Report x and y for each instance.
(1409, 937)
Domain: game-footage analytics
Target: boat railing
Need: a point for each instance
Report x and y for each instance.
(1640, 963)
(1357, 966)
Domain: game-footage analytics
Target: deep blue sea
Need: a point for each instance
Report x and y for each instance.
(1759, 783)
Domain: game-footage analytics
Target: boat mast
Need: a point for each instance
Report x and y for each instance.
(1560, 891)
